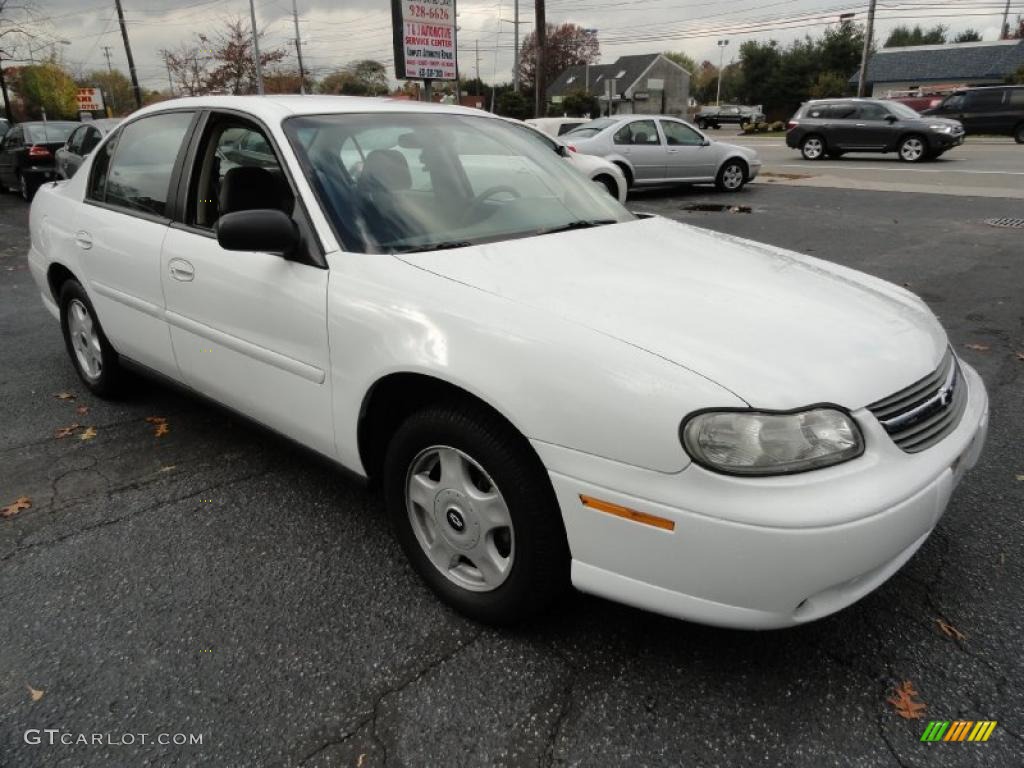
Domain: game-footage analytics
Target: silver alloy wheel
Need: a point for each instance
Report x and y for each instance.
(85, 340)
(911, 149)
(23, 187)
(813, 148)
(460, 518)
(732, 176)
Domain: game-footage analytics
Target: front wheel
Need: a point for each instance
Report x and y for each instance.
(731, 176)
(475, 513)
(94, 359)
(912, 149)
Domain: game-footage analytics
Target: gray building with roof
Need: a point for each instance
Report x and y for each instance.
(647, 84)
(912, 67)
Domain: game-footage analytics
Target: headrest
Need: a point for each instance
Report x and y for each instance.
(387, 169)
(248, 188)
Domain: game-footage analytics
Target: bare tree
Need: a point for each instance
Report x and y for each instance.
(233, 69)
(188, 67)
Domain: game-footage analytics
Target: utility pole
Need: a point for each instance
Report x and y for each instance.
(1005, 30)
(476, 47)
(3, 90)
(539, 100)
(128, 52)
(515, 49)
(721, 56)
(106, 52)
(170, 81)
(868, 33)
(298, 49)
(256, 48)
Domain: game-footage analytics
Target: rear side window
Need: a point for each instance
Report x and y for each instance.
(1017, 97)
(138, 175)
(637, 132)
(817, 111)
(566, 127)
(842, 111)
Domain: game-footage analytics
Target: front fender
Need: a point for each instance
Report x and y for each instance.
(557, 382)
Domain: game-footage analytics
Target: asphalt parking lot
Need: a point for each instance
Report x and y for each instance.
(219, 581)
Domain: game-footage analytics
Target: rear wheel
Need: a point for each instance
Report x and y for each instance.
(703, 125)
(609, 183)
(94, 359)
(812, 147)
(913, 149)
(475, 513)
(27, 187)
(731, 176)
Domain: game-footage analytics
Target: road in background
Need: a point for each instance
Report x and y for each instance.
(982, 167)
(220, 581)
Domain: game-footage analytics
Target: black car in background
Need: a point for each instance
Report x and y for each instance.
(735, 114)
(26, 154)
(997, 109)
(80, 143)
(833, 127)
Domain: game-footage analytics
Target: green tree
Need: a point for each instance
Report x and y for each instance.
(1017, 78)
(581, 104)
(903, 36)
(512, 104)
(684, 60)
(48, 87)
(230, 52)
(117, 89)
(365, 77)
(829, 85)
(968, 36)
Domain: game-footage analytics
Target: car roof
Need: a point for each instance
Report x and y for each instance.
(46, 122)
(275, 108)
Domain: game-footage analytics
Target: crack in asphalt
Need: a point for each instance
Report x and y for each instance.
(371, 718)
(122, 518)
(565, 706)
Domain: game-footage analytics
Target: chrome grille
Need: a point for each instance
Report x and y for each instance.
(921, 415)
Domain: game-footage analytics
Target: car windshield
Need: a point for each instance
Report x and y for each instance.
(902, 110)
(592, 128)
(49, 133)
(401, 182)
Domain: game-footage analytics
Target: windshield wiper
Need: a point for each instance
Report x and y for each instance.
(443, 246)
(578, 224)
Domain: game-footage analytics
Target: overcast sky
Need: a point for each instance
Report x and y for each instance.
(334, 33)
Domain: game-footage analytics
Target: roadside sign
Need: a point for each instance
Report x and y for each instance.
(424, 39)
(90, 100)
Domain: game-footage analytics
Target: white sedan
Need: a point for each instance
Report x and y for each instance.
(550, 389)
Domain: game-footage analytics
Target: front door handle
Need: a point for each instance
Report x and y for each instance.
(181, 270)
(83, 240)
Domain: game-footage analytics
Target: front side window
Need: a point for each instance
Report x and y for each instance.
(872, 112)
(140, 171)
(236, 170)
(954, 103)
(979, 101)
(678, 134)
(401, 182)
(637, 132)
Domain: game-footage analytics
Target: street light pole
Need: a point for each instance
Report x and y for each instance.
(298, 49)
(721, 57)
(256, 48)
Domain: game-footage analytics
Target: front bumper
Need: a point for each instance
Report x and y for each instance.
(761, 553)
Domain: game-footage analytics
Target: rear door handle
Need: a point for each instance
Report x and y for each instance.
(181, 270)
(83, 240)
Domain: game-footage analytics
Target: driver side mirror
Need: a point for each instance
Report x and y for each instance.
(562, 150)
(268, 230)
(890, 119)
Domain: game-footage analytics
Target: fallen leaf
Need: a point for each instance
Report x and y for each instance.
(20, 503)
(64, 396)
(34, 693)
(950, 631)
(82, 410)
(978, 347)
(359, 762)
(168, 468)
(88, 434)
(1020, 478)
(67, 431)
(1020, 356)
(904, 701)
(161, 425)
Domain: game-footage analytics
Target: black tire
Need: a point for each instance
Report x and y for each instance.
(912, 149)
(813, 147)
(110, 378)
(716, 126)
(539, 570)
(732, 175)
(27, 187)
(1018, 134)
(609, 183)
(703, 125)
(627, 173)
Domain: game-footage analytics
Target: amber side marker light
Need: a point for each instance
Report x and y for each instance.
(627, 513)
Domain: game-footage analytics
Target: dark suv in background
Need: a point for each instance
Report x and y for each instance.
(735, 114)
(997, 109)
(832, 127)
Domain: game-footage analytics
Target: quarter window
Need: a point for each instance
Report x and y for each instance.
(140, 172)
(637, 132)
(872, 112)
(1017, 97)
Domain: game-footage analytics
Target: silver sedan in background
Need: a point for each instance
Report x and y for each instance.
(657, 149)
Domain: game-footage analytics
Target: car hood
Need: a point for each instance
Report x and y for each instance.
(933, 120)
(778, 329)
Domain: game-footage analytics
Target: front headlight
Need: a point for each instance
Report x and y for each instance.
(942, 128)
(764, 443)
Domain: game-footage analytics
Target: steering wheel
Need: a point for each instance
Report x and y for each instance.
(488, 193)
